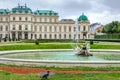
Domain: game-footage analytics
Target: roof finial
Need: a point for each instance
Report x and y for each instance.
(25, 5)
(18, 4)
(82, 13)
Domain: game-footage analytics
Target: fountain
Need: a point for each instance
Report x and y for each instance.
(82, 50)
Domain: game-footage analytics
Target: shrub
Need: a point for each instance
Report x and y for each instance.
(36, 42)
(10, 39)
(5, 39)
(91, 42)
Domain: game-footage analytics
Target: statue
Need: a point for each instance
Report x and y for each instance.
(83, 50)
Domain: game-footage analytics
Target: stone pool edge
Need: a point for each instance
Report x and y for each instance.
(60, 63)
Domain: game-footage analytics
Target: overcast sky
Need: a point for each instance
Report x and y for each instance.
(102, 11)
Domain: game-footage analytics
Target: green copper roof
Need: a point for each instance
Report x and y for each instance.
(45, 12)
(21, 9)
(4, 11)
(83, 18)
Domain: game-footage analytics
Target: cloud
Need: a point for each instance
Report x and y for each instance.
(102, 11)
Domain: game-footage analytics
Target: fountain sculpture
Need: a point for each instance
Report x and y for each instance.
(82, 50)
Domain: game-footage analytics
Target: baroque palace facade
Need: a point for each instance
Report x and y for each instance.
(22, 23)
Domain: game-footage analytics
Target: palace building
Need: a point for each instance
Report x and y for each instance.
(23, 23)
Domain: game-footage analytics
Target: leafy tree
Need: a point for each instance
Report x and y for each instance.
(113, 27)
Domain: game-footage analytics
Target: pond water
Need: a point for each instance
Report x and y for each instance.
(97, 56)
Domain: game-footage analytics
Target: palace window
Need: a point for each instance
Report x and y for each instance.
(1, 27)
(13, 27)
(78, 36)
(45, 28)
(1, 19)
(50, 36)
(40, 36)
(59, 36)
(6, 28)
(20, 27)
(55, 36)
(26, 27)
(64, 36)
(69, 36)
(40, 19)
(26, 18)
(0, 35)
(74, 29)
(20, 18)
(45, 19)
(60, 28)
(55, 28)
(45, 36)
(64, 28)
(70, 29)
(78, 28)
(84, 29)
(6, 19)
(13, 18)
(50, 28)
(40, 28)
(35, 28)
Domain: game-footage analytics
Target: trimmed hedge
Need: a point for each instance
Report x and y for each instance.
(108, 36)
(52, 40)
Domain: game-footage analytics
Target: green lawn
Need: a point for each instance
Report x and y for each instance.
(84, 76)
(54, 46)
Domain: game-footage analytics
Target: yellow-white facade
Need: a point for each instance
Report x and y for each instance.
(22, 23)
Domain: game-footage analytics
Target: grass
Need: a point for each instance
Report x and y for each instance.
(54, 46)
(84, 76)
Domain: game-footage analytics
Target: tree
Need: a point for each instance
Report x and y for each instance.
(113, 27)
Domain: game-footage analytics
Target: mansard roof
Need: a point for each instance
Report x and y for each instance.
(4, 11)
(45, 12)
